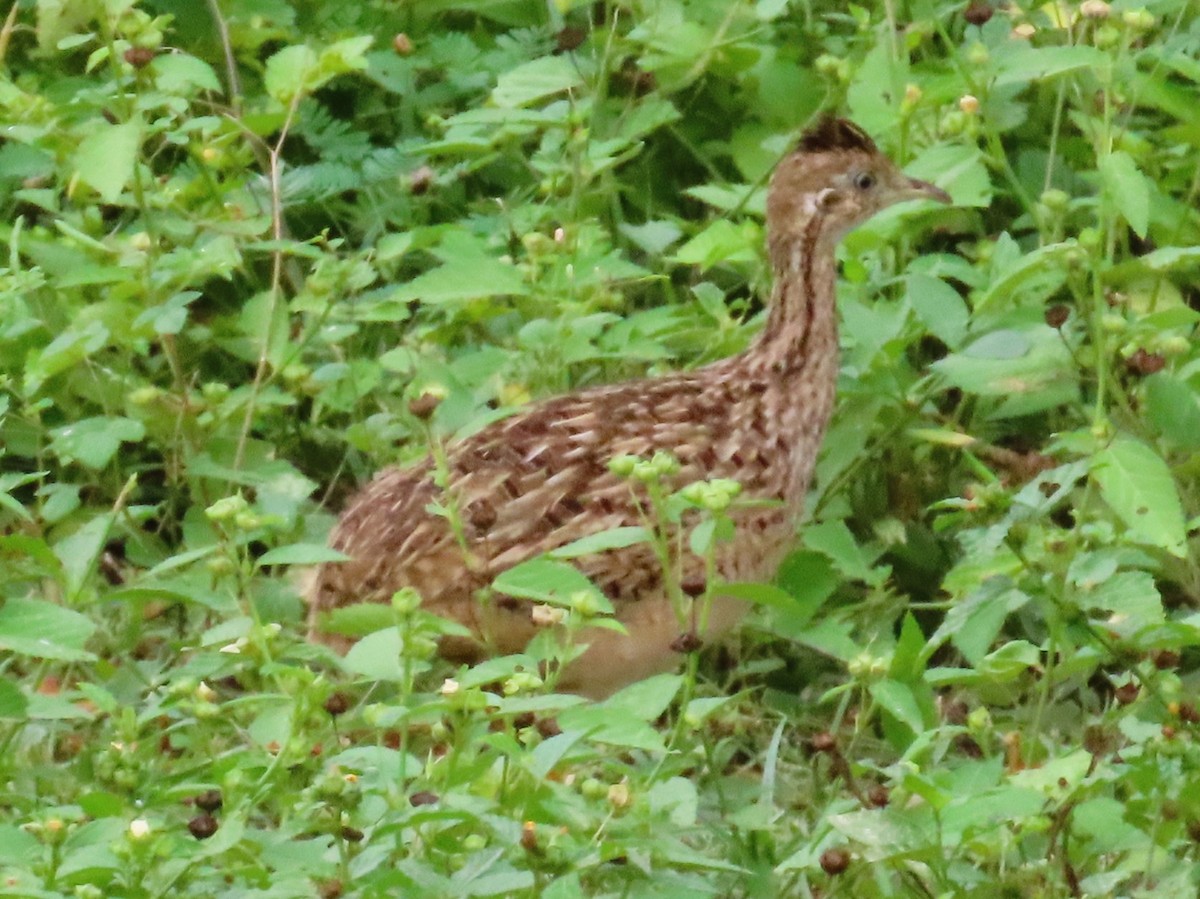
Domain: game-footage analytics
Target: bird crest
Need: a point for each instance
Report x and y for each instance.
(832, 134)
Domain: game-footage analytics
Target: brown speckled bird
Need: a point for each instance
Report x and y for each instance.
(540, 479)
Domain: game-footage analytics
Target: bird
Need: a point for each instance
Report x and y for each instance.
(540, 479)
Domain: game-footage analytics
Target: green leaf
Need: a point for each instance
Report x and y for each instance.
(899, 700)
(94, 441)
(1028, 371)
(833, 539)
(549, 581)
(1128, 189)
(1022, 64)
(177, 73)
(79, 551)
(535, 80)
(289, 71)
(957, 168)
(105, 159)
(470, 279)
(301, 554)
(940, 309)
(613, 538)
(44, 630)
(13, 703)
(378, 656)
(721, 241)
(1174, 408)
(1131, 599)
(1137, 484)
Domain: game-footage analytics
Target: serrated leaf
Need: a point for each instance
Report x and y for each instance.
(721, 241)
(1174, 409)
(1131, 599)
(94, 441)
(535, 80)
(176, 72)
(105, 159)
(288, 72)
(940, 308)
(79, 551)
(44, 630)
(1028, 371)
(1023, 63)
(1137, 484)
(466, 280)
(1128, 189)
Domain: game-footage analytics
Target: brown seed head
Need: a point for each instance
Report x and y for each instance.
(835, 861)
(978, 12)
(209, 800)
(139, 57)
(202, 826)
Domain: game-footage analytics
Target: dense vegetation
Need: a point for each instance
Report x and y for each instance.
(243, 236)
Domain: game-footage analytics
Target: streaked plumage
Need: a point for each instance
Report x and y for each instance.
(540, 479)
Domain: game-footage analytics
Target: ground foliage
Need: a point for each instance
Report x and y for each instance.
(242, 236)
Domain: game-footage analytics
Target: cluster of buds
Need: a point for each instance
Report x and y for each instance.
(714, 495)
(654, 469)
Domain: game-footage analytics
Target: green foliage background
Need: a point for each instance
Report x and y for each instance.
(242, 235)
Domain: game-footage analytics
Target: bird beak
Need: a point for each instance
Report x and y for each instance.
(923, 190)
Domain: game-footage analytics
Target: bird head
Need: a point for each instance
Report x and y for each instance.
(835, 179)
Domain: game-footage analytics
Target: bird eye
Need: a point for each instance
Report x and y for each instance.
(864, 180)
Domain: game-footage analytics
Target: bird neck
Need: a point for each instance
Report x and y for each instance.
(801, 323)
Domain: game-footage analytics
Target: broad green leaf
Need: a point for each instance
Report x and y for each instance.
(1167, 258)
(298, 70)
(957, 168)
(721, 241)
(974, 623)
(471, 279)
(288, 72)
(1024, 63)
(1174, 408)
(1131, 599)
(94, 441)
(833, 539)
(1027, 371)
(177, 73)
(646, 699)
(1028, 276)
(13, 703)
(1128, 189)
(1003, 344)
(900, 702)
(358, 619)
(1137, 484)
(549, 581)
(535, 80)
(1009, 662)
(105, 159)
(613, 538)
(940, 308)
(79, 551)
(301, 554)
(379, 656)
(44, 630)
